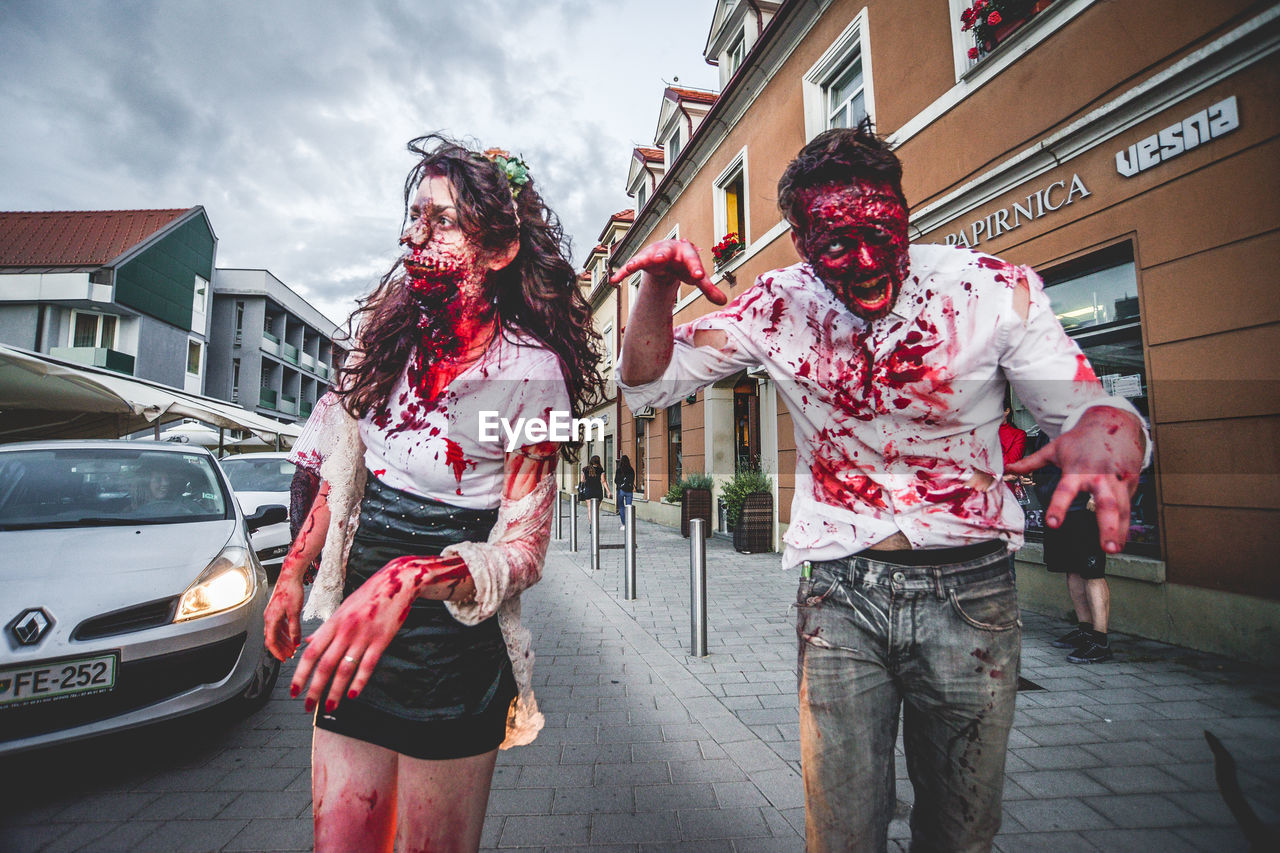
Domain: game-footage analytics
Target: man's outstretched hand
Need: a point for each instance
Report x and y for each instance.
(1101, 455)
(669, 262)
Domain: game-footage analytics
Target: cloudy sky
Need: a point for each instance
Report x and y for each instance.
(287, 120)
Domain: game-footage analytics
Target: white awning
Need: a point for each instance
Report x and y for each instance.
(43, 397)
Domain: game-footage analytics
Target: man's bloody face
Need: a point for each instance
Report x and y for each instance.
(855, 238)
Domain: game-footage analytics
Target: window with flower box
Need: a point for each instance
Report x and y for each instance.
(986, 24)
(731, 227)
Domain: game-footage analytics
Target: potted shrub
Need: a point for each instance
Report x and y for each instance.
(696, 501)
(748, 500)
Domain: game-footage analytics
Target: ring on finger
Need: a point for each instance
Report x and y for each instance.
(348, 659)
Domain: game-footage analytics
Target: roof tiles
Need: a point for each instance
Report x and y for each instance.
(76, 237)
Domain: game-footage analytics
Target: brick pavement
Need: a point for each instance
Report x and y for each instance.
(649, 749)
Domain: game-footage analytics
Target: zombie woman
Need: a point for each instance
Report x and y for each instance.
(421, 669)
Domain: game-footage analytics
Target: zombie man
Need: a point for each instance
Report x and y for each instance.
(893, 362)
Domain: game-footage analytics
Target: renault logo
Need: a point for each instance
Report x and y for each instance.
(31, 626)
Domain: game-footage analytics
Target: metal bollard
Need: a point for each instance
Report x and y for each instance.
(629, 553)
(559, 517)
(573, 523)
(593, 523)
(697, 588)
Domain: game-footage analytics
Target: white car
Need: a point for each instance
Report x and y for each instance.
(129, 593)
(259, 480)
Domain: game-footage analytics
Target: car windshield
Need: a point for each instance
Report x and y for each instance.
(85, 487)
(258, 475)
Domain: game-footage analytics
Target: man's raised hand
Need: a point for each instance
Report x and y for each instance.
(669, 262)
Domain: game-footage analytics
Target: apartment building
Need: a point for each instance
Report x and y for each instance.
(270, 351)
(1125, 150)
(126, 290)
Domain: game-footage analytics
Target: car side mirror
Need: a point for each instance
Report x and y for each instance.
(266, 515)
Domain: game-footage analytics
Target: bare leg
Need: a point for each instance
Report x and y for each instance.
(1099, 596)
(1076, 586)
(353, 794)
(443, 803)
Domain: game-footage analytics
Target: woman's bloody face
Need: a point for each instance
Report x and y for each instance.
(440, 262)
(855, 238)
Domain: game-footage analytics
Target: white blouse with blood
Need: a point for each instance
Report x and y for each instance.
(894, 417)
(435, 448)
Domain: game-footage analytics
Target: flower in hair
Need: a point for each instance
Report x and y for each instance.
(515, 169)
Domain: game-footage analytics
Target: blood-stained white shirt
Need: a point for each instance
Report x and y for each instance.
(894, 417)
(442, 449)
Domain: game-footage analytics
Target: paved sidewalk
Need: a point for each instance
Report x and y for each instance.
(649, 749)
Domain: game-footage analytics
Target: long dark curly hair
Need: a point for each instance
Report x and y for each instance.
(537, 294)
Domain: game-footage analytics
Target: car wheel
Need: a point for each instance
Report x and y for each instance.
(264, 681)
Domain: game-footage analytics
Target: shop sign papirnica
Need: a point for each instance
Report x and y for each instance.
(1057, 195)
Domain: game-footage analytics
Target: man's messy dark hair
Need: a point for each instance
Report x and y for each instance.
(840, 155)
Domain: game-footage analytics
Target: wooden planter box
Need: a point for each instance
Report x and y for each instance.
(754, 531)
(697, 504)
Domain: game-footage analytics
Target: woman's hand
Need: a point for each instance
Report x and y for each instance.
(282, 618)
(342, 654)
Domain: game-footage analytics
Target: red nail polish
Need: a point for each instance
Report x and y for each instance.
(294, 690)
(309, 705)
(329, 705)
(351, 694)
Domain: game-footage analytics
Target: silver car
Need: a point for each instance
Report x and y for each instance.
(129, 592)
(258, 480)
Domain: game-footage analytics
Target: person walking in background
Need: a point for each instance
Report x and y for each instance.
(624, 483)
(1072, 549)
(429, 532)
(594, 486)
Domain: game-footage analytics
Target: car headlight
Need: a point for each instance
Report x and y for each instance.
(225, 583)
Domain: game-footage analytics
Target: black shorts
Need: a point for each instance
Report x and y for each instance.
(1074, 548)
(441, 689)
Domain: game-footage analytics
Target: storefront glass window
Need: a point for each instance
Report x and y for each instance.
(1098, 306)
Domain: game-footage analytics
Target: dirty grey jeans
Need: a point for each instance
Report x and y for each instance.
(942, 644)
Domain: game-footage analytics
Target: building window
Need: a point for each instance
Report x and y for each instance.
(837, 89)
(1096, 301)
(736, 53)
(200, 300)
(193, 357)
(607, 334)
(731, 200)
(673, 147)
(843, 96)
(675, 466)
(642, 453)
(746, 426)
(608, 459)
(235, 380)
(93, 330)
(641, 193)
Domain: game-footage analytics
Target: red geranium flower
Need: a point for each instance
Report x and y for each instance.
(993, 19)
(973, 53)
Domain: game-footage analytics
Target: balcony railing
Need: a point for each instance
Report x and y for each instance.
(270, 344)
(113, 360)
(288, 405)
(289, 352)
(267, 398)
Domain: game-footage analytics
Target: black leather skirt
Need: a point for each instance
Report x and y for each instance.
(441, 689)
